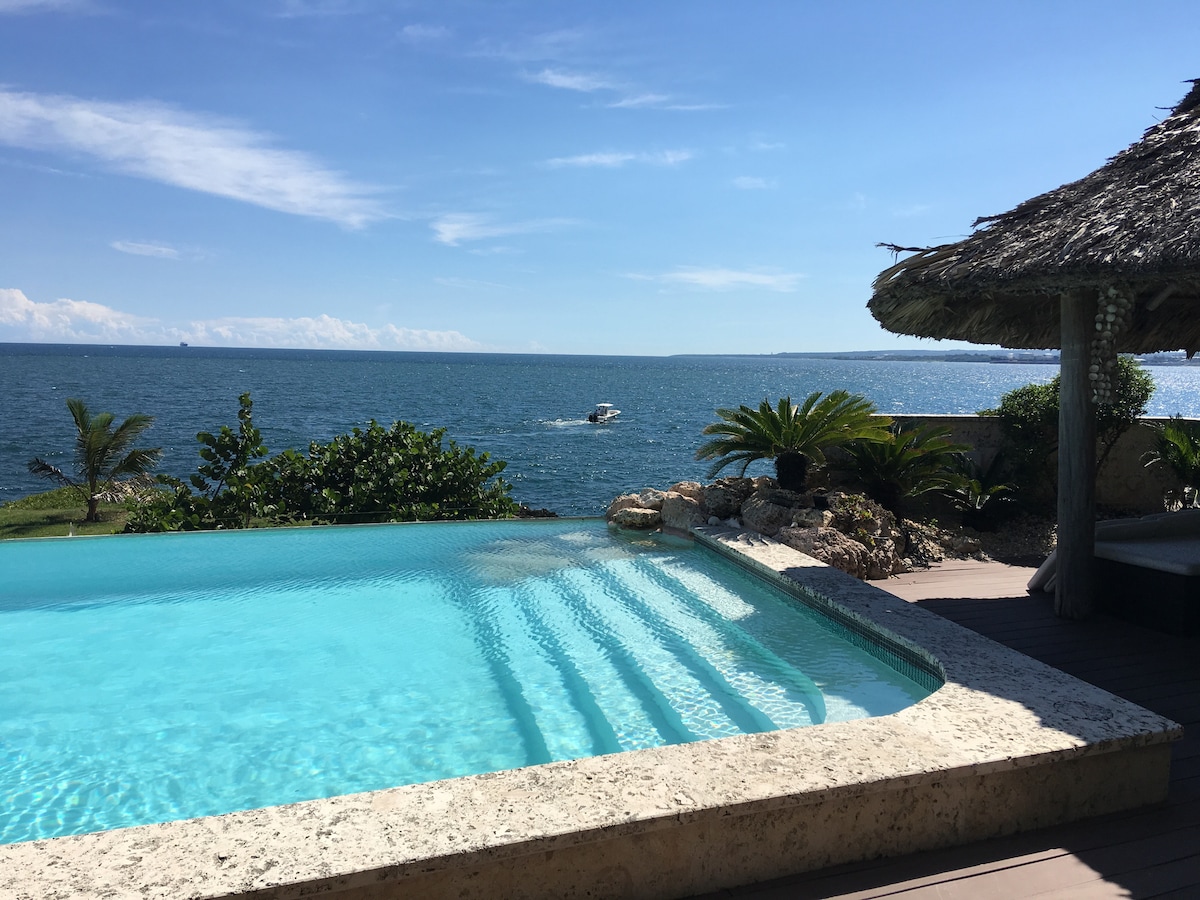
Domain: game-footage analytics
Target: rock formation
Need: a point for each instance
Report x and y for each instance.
(847, 531)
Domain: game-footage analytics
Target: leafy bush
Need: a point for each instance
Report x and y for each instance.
(395, 474)
(375, 474)
(1029, 421)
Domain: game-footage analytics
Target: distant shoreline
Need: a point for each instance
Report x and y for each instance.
(1011, 357)
(1001, 357)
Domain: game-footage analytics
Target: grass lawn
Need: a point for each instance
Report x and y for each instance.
(57, 513)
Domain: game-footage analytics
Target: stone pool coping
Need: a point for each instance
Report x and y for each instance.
(1007, 744)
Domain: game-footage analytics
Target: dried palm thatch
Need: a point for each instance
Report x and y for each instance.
(1126, 236)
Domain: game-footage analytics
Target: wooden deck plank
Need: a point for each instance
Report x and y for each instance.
(1144, 853)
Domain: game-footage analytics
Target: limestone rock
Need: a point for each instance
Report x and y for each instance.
(692, 489)
(681, 512)
(812, 518)
(625, 501)
(761, 515)
(828, 545)
(637, 517)
(724, 497)
(651, 498)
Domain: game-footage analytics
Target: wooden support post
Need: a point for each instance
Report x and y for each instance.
(1075, 588)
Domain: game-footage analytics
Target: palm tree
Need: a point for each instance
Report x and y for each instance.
(795, 437)
(918, 458)
(102, 455)
(1177, 446)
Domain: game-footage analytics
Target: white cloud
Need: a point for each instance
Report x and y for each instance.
(548, 45)
(590, 83)
(571, 81)
(726, 279)
(454, 228)
(748, 183)
(322, 332)
(29, 6)
(586, 160)
(195, 152)
(616, 160)
(417, 33)
(78, 321)
(299, 9)
(141, 248)
(67, 320)
(640, 100)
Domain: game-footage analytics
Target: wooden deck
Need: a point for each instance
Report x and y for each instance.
(1152, 852)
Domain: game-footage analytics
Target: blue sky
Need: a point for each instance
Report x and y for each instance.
(621, 177)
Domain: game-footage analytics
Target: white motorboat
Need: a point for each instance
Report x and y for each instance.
(603, 414)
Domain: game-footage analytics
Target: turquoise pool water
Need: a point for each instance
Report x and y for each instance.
(159, 677)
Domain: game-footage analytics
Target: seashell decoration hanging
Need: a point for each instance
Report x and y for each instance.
(1113, 311)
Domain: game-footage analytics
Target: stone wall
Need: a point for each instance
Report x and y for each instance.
(1125, 483)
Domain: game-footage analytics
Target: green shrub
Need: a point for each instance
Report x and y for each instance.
(1029, 422)
(376, 474)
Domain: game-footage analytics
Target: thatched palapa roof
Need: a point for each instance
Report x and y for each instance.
(1130, 231)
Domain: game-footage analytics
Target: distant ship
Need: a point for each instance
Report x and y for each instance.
(183, 343)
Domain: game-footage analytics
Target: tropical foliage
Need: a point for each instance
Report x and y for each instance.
(105, 458)
(1177, 446)
(918, 458)
(795, 437)
(1029, 420)
(979, 493)
(375, 474)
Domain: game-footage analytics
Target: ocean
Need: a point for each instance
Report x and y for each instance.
(529, 410)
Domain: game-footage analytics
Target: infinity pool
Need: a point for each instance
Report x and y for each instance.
(161, 677)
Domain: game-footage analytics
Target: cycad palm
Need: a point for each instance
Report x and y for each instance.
(917, 459)
(795, 437)
(1177, 446)
(102, 454)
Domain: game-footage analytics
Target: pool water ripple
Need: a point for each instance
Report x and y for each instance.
(151, 678)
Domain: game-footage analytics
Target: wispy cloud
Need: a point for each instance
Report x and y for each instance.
(616, 160)
(32, 6)
(540, 47)
(640, 100)
(78, 321)
(455, 228)
(570, 81)
(186, 150)
(726, 279)
(591, 83)
(749, 183)
(421, 33)
(142, 248)
(297, 9)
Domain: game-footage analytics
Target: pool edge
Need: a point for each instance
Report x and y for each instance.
(1007, 744)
